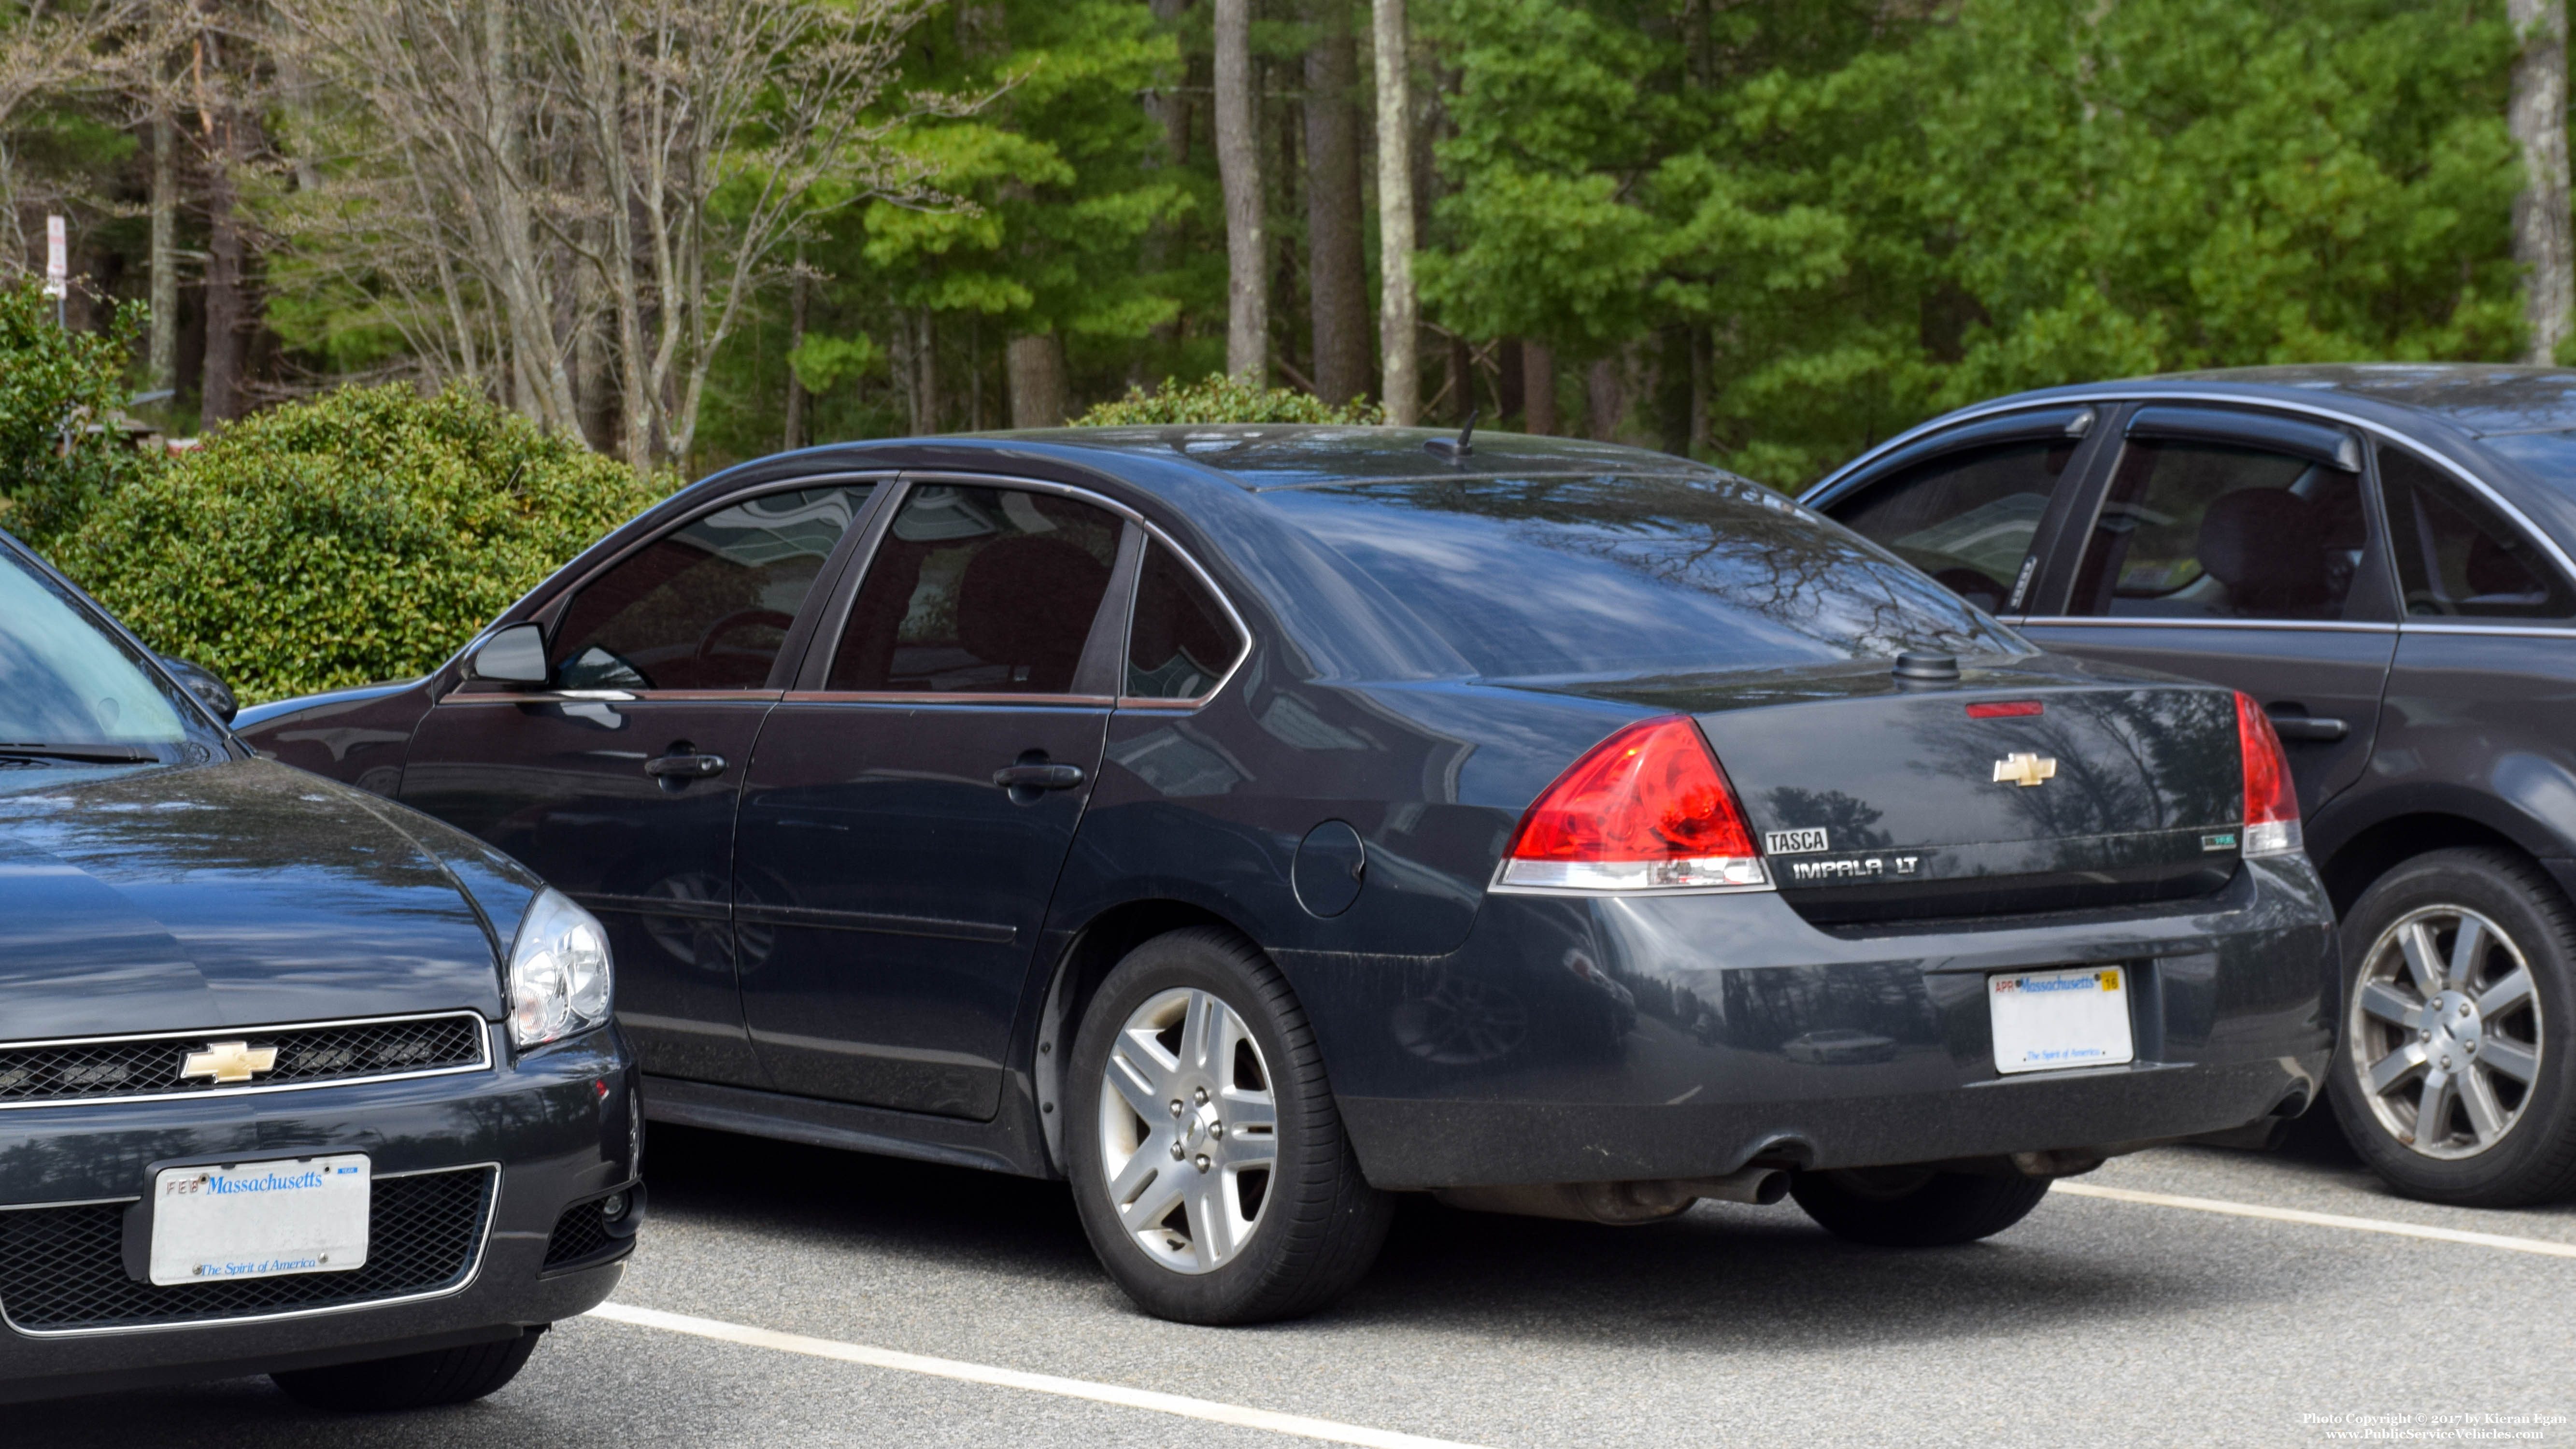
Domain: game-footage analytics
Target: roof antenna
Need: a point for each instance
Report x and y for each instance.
(1460, 446)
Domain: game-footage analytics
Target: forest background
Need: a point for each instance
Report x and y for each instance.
(1765, 233)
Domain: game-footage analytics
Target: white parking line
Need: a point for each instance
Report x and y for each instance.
(2540, 1246)
(1327, 1430)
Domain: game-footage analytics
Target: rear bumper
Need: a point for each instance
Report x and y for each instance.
(557, 1138)
(1609, 1039)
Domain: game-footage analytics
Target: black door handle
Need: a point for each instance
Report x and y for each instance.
(2318, 728)
(685, 767)
(1038, 777)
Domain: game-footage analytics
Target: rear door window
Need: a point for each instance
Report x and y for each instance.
(1967, 518)
(707, 605)
(979, 591)
(2456, 556)
(2193, 529)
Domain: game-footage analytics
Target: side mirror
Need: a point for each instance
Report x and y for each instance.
(208, 686)
(515, 655)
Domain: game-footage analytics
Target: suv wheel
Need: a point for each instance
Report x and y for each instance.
(413, 1381)
(1914, 1207)
(1207, 1158)
(2446, 1078)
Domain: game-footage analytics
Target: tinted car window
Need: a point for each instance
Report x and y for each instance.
(1179, 640)
(707, 605)
(1965, 518)
(2455, 556)
(1596, 575)
(66, 681)
(2206, 530)
(981, 591)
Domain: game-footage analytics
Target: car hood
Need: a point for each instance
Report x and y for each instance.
(238, 894)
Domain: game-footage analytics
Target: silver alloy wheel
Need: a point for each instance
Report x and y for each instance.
(2445, 1032)
(1189, 1131)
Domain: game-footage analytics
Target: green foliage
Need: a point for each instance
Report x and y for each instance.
(1871, 219)
(59, 398)
(1218, 398)
(363, 535)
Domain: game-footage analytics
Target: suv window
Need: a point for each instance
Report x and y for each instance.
(1965, 518)
(1179, 641)
(2455, 556)
(707, 605)
(2211, 530)
(979, 591)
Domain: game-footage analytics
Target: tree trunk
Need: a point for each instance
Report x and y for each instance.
(1238, 159)
(1036, 362)
(227, 284)
(1508, 400)
(1538, 387)
(1336, 270)
(162, 368)
(1398, 309)
(1606, 399)
(1702, 366)
(1169, 109)
(796, 290)
(2537, 115)
(925, 375)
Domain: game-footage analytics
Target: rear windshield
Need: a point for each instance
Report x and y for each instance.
(1635, 575)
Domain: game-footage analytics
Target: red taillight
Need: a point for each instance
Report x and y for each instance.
(2009, 709)
(1646, 807)
(2271, 797)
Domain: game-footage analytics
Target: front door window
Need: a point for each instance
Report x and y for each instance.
(707, 605)
(1965, 518)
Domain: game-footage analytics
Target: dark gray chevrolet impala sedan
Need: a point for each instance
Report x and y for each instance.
(293, 1080)
(1246, 822)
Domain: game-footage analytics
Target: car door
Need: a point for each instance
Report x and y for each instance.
(909, 808)
(1972, 505)
(2239, 547)
(2484, 687)
(618, 782)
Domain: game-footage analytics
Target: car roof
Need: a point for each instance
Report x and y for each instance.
(2467, 399)
(1264, 456)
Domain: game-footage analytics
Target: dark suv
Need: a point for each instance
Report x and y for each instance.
(2381, 556)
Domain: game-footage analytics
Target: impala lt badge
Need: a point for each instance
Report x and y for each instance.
(228, 1062)
(2024, 769)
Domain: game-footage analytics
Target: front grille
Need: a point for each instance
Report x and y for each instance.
(322, 1054)
(582, 1232)
(63, 1269)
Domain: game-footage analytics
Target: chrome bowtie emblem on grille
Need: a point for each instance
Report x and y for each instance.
(2024, 769)
(229, 1061)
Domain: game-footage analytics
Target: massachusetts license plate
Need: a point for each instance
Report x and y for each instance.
(2048, 1020)
(260, 1219)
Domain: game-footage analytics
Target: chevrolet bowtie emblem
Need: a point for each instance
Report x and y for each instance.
(239, 1061)
(2024, 769)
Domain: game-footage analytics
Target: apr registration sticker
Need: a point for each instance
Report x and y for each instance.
(1793, 842)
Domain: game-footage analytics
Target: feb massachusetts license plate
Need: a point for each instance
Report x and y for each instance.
(260, 1219)
(2048, 1020)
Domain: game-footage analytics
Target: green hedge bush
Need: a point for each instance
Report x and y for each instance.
(363, 535)
(58, 386)
(1218, 398)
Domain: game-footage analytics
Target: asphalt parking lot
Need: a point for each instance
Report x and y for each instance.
(2100, 1319)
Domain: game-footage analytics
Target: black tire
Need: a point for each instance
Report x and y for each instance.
(413, 1381)
(1915, 1207)
(2533, 1159)
(1319, 1224)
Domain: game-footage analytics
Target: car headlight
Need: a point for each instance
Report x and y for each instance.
(558, 972)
